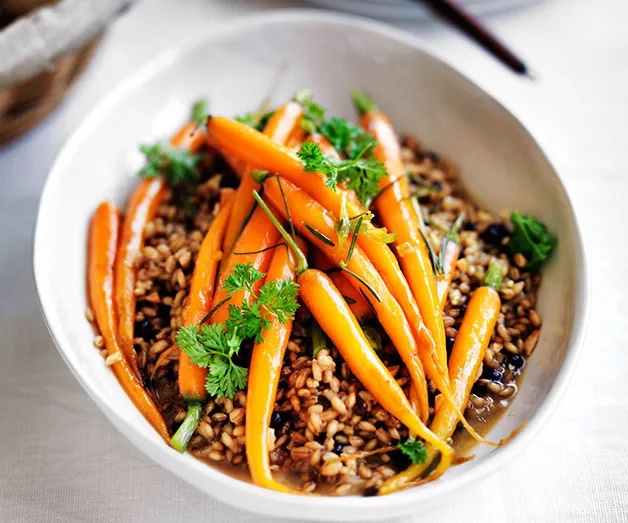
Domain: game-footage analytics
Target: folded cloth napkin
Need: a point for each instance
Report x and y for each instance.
(33, 42)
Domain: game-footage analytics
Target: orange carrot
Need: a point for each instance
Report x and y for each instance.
(335, 318)
(280, 127)
(103, 241)
(264, 374)
(464, 364)
(142, 205)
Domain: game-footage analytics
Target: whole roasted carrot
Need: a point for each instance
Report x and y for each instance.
(397, 210)
(103, 242)
(337, 321)
(317, 226)
(256, 149)
(141, 208)
(264, 374)
(191, 378)
(464, 364)
(280, 127)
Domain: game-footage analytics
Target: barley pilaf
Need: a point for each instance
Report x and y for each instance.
(327, 431)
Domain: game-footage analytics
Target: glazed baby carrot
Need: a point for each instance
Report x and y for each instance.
(256, 149)
(103, 242)
(314, 223)
(142, 205)
(443, 280)
(464, 364)
(335, 318)
(398, 212)
(281, 125)
(191, 378)
(144, 201)
(264, 374)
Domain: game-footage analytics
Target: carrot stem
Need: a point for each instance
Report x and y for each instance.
(184, 433)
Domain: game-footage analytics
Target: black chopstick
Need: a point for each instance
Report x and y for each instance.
(453, 12)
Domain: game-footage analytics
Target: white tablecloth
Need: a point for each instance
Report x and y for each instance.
(60, 460)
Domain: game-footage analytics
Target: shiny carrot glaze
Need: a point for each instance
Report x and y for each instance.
(264, 374)
(103, 242)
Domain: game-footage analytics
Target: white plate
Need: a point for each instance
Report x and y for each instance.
(236, 67)
(410, 10)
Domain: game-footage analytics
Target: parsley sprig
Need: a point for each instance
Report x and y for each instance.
(259, 118)
(414, 449)
(177, 166)
(531, 238)
(217, 346)
(361, 174)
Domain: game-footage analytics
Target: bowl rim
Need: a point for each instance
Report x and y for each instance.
(171, 459)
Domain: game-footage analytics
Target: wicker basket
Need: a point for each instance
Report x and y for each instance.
(44, 47)
(24, 105)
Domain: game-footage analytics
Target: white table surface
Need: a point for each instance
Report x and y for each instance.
(60, 460)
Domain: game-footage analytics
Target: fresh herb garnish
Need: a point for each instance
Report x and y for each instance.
(259, 118)
(531, 238)
(215, 346)
(199, 111)
(177, 166)
(414, 449)
(347, 138)
(361, 174)
(212, 347)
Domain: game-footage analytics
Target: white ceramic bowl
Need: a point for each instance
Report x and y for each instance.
(236, 67)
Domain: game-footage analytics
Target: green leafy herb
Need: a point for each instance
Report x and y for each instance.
(215, 346)
(361, 174)
(177, 166)
(414, 449)
(532, 239)
(199, 111)
(347, 138)
(259, 118)
(363, 102)
(242, 278)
